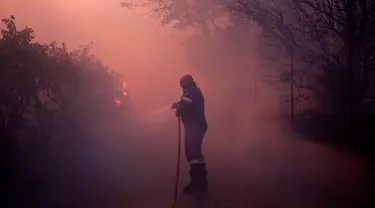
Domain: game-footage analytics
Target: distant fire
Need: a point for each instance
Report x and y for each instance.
(117, 101)
(124, 85)
(124, 88)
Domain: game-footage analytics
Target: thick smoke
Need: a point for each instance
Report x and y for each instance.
(253, 158)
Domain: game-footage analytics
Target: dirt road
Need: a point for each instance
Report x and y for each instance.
(251, 163)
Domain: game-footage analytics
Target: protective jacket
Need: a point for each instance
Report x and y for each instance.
(191, 108)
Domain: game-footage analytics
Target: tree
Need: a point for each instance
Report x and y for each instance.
(214, 34)
(42, 79)
(279, 32)
(201, 16)
(333, 39)
(41, 94)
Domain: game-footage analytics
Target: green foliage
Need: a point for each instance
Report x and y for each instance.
(48, 96)
(41, 83)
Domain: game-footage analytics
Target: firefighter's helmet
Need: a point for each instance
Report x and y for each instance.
(186, 80)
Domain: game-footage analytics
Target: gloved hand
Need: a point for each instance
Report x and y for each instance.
(175, 105)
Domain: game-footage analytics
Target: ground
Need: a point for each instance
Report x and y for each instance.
(251, 161)
(250, 164)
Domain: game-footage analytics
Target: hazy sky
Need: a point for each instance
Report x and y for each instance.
(124, 40)
(121, 36)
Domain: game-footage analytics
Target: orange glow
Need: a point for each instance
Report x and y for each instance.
(124, 85)
(124, 88)
(117, 102)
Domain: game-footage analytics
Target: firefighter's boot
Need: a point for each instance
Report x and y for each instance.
(198, 183)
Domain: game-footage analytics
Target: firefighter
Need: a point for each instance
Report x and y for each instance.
(192, 113)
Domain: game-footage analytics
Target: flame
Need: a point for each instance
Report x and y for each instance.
(123, 85)
(124, 88)
(117, 101)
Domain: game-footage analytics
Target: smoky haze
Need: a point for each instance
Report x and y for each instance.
(150, 56)
(253, 158)
(135, 45)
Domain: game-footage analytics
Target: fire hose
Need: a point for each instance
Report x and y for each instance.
(175, 194)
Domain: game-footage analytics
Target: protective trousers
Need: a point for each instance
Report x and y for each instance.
(194, 155)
